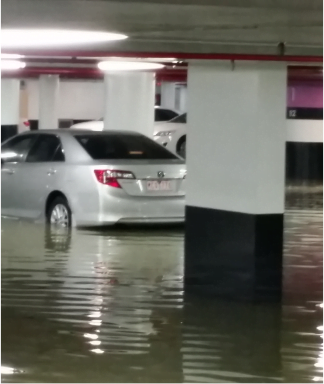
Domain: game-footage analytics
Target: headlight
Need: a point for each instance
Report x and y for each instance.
(165, 133)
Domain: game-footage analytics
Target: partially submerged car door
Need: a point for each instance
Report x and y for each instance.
(39, 174)
(13, 155)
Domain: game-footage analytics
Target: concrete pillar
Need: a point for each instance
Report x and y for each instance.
(168, 95)
(182, 92)
(304, 148)
(10, 97)
(49, 101)
(236, 178)
(129, 101)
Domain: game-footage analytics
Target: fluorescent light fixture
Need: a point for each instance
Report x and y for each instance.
(128, 66)
(12, 65)
(11, 56)
(161, 59)
(30, 38)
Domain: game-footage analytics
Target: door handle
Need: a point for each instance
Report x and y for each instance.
(51, 172)
(8, 171)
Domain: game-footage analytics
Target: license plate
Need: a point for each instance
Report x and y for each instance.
(157, 186)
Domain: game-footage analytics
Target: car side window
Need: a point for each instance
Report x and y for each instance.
(59, 154)
(16, 149)
(158, 114)
(46, 148)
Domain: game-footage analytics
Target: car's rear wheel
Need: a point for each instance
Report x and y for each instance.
(181, 150)
(59, 213)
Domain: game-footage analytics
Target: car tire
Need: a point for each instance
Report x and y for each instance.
(59, 214)
(182, 147)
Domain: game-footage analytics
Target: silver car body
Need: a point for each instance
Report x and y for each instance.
(27, 186)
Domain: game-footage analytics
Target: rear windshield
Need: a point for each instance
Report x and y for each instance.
(123, 147)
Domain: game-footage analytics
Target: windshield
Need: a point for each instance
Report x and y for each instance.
(122, 146)
(180, 119)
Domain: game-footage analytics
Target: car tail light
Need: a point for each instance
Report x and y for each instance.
(111, 177)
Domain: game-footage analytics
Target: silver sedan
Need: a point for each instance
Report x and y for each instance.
(86, 178)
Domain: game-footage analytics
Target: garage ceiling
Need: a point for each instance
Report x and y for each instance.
(201, 26)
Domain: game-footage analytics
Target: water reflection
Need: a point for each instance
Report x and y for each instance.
(302, 335)
(90, 294)
(109, 306)
(233, 343)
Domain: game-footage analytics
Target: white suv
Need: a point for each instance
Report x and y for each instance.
(173, 135)
(160, 115)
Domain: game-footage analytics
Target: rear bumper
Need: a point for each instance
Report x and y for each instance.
(134, 210)
(151, 220)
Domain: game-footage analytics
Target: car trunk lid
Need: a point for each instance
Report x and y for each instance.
(150, 178)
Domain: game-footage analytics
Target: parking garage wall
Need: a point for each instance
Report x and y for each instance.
(82, 100)
(304, 147)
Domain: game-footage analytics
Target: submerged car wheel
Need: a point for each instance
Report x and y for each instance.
(59, 213)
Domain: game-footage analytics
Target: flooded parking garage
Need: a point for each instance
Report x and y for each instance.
(109, 306)
(236, 294)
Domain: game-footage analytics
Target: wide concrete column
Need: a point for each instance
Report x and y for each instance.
(129, 101)
(10, 90)
(168, 95)
(236, 177)
(49, 101)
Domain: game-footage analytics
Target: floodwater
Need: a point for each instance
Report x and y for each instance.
(109, 306)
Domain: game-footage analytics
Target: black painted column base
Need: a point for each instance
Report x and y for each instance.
(304, 162)
(8, 131)
(234, 255)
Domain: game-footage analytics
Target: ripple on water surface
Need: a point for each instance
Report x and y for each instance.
(108, 306)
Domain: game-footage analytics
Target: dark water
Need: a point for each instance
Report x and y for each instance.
(109, 306)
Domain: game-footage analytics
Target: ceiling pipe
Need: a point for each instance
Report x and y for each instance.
(178, 55)
(304, 73)
(62, 60)
(69, 71)
(87, 73)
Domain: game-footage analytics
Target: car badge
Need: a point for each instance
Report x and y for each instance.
(161, 174)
